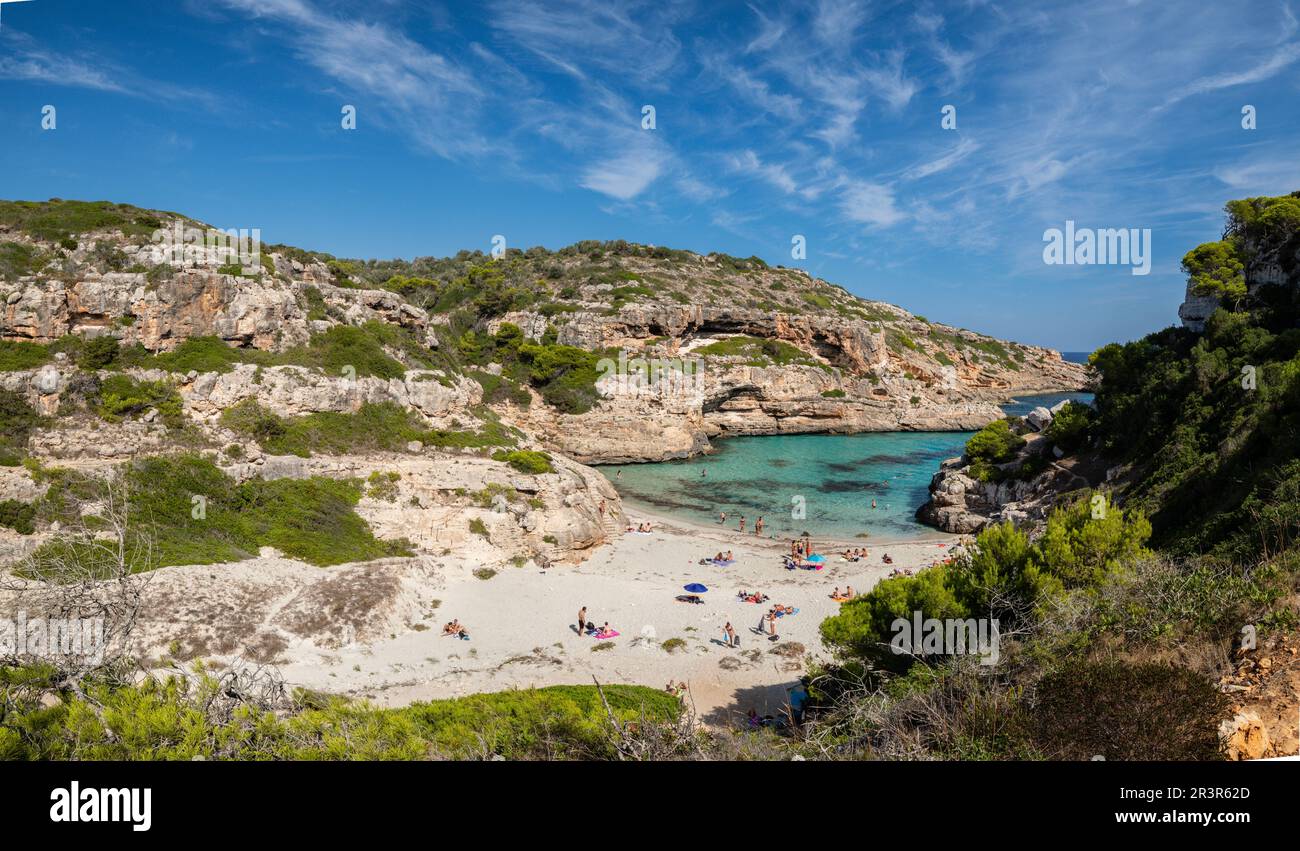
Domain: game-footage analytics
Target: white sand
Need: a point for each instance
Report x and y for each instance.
(521, 624)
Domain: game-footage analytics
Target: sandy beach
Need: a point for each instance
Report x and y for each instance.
(522, 623)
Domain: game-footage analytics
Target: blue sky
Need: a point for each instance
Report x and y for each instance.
(772, 119)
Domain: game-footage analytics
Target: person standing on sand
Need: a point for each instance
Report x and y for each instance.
(742, 524)
(731, 635)
(582, 620)
(758, 526)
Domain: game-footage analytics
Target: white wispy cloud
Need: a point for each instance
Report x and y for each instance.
(748, 163)
(434, 97)
(626, 175)
(1281, 59)
(634, 40)
(57, 70)
(963, 149)
(870, 204)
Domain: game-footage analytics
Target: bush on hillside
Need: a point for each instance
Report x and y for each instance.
(1126, 711)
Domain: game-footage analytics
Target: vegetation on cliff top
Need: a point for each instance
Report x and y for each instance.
(193, 513)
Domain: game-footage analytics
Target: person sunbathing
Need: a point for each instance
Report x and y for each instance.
(836, 592)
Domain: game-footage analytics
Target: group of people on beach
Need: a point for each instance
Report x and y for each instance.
(455, 628)
(758, 524)
(846, 595)
(854, 554)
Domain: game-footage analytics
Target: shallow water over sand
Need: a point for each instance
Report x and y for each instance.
(834, 477)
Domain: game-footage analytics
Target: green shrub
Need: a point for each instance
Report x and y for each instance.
(375, 427)
(165, 719)
(526, 460)
(311, 519)
(1216, 268)
(1069, 427)
(1007, 577)
(98, 353)
(17, 355)
(383, 485)
(17, 422)
(18, 260)
(122, 397)
(18, 516)
(995, 443)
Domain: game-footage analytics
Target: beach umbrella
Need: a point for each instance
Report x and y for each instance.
(695, 588)
(816, 559)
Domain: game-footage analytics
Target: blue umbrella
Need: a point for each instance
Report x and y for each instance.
(816, 559)
(695, 588)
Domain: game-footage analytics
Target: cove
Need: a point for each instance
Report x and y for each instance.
(835, 478)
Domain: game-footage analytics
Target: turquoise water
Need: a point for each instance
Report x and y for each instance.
(836, 477)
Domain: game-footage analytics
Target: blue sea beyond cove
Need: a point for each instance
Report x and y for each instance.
(837, 477)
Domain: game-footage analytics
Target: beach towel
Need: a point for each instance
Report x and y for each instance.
(724, 562)
(613, 633)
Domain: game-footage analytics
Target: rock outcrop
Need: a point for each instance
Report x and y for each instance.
(962, 503)
(850, 380)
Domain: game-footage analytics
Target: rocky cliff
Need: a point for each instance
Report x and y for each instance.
(482, 383)
(1260, 250)
(770, 349)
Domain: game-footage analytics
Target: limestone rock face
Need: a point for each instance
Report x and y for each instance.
(1245, 737)
(1195, 309)
(851, 380)
(263, 312)
(640, 422)
(294, 391)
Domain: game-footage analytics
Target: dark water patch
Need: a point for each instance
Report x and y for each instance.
(842, 486)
